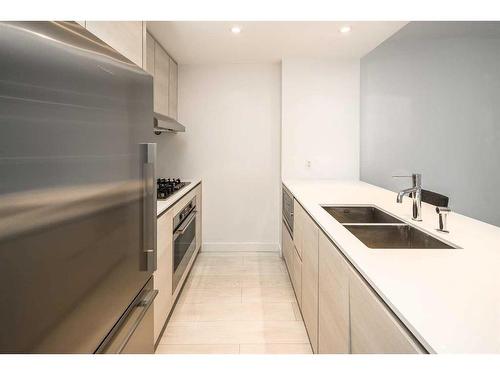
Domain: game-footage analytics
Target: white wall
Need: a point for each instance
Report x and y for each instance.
(232, 141)
(320, 119)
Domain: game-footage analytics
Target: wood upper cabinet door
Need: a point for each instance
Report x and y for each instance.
(374, 328)
(161, 78)
(162, 277)
(172, 90)
(298, 224)
(333, 315)
(149, 66)
(126, 37)
(310, 279)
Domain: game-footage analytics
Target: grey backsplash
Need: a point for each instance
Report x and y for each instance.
(430, 103)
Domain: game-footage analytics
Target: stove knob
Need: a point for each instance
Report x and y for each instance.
(178, 181)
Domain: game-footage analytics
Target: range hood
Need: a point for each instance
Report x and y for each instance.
(166, 124)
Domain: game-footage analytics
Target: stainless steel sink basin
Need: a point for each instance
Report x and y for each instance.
(395, 237)
(360, 214)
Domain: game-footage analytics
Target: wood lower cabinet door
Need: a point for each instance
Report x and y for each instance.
(198, 218)
(298, 224)
(374, 328)
(297, 275)
(310, 279)
(286, 246)
(333, 326)
(162, 277)
(127, 37)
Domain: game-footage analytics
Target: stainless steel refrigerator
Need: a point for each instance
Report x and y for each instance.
(77, 194)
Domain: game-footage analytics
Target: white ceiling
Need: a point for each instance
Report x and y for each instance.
(198, 42)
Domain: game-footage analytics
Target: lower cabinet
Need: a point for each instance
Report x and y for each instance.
(163, 274)
(287, 246)
(198, 217)
(374, 328)
(292, 261)
(333, 315)
(298, 224)
(341, 312)
(297, 275)
(310, 279)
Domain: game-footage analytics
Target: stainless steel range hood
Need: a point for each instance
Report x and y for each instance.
(166, 124)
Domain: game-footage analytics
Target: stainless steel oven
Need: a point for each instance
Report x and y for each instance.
(287, 202)
(184, 240)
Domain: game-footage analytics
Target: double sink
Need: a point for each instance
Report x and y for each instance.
(379, 230)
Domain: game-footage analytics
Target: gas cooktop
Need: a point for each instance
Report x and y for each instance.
(165, 187)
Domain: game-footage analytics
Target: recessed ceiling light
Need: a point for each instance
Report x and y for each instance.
(345, 29)
(236, 29)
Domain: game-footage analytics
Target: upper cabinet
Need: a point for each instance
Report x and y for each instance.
(126, 37)
(172, 89)
(149, 65)
(131, 39)
(161, 79)
(164, 71)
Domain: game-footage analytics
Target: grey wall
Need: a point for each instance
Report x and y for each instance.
(430, 103)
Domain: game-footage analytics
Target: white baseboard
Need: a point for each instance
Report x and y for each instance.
(240, 246)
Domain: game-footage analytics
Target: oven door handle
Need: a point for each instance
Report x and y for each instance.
(185, 224)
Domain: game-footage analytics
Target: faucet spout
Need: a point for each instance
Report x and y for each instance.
(416, 191)
(402, 193)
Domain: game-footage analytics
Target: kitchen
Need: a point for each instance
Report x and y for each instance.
(219, 187)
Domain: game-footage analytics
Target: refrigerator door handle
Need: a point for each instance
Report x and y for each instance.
(148, 258)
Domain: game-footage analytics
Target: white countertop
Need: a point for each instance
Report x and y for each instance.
(163, 205)
(448, 298)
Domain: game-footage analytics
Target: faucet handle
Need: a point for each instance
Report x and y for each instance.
(413, 175)
(416, 177)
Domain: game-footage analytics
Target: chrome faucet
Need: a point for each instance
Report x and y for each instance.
(416, 192)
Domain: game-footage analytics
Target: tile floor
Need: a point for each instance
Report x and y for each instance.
(236, 303)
